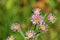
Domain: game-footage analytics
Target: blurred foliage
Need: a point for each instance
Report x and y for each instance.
(20, 11)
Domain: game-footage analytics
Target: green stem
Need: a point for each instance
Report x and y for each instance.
(45, 15)
(37, 36)
(23, 35)
(35, 27)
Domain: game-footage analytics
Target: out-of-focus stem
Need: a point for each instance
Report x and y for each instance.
(37, 36)
(45, 15)
(37, 33)
(35, 27)
(23, 35)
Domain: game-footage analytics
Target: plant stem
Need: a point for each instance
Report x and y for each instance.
(37, 36)
(45, 15)
(23, 35)
(35, 27)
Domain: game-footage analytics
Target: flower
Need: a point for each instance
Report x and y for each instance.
(51, 18)
(30, 34)
(36, 10)
(10, 38)
(43, 27)
(15, 27)
(36, 19)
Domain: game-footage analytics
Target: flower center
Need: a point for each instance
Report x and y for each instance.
(37, 19)
(16, 27)
(11, 38)
(30, 35)
(37, 12)
(52, 18)
(43, 27)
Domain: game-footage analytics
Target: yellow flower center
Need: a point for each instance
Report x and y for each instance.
(42, 27)
(16, 27)
(11, 38)
(37, 19)
(30, 35)
(52, 18)
(36, 12)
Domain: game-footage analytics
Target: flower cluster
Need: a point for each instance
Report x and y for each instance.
(36, 19)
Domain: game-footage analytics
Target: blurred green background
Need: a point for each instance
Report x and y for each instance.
(20, 11)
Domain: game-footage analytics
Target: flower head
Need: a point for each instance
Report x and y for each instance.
(10, 38)
(36, 10)
(30, 34)
(37, 19)
(43, 27)
(15, 27)
(51, 18)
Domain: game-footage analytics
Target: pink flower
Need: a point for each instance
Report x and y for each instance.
(36, 19)
(11, 38)
(51, 18)
(36, 10)
(30, 34)
(43, 27)
(15, 27)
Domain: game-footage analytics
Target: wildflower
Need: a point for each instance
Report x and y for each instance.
(10, 38)
(15, 27)
(51, 18)
(30, 34)
(43, 27)
(36, 11)
(36, 19)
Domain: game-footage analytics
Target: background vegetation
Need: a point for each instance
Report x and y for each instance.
(20, 11)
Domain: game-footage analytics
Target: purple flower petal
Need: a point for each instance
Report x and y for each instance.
(43, 27)
(15, 27)
(10, 38)
(36, 19)
(51, 18)
(36, 10)
(30, 34)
